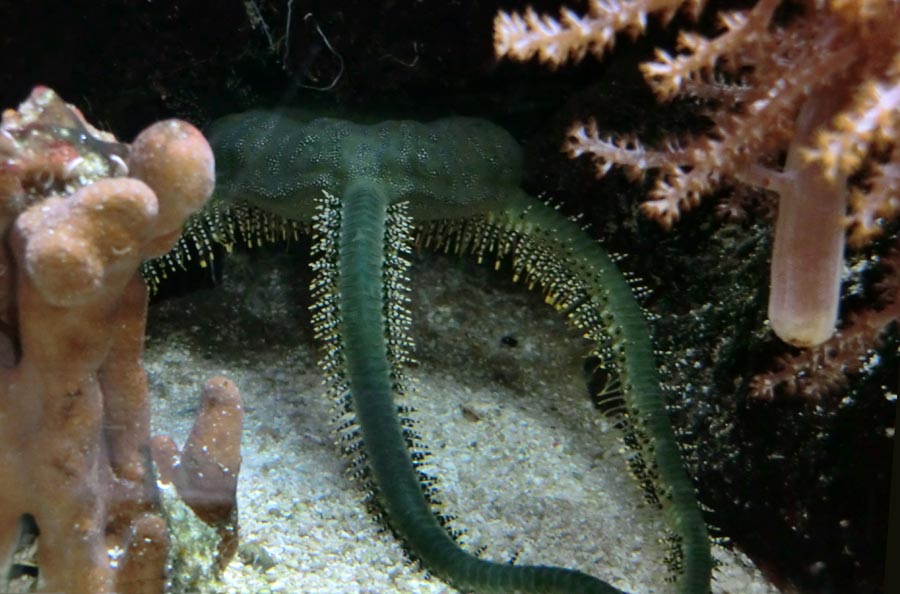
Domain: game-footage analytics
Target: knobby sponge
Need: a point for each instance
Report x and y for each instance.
(74, 403)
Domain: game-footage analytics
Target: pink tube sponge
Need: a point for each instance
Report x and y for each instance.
(808, 252)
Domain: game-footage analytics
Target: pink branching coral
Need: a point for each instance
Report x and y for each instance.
(821, 87)
(74, 409)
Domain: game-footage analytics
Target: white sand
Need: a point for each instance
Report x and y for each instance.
(530, 468)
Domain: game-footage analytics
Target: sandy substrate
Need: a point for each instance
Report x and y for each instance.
(532, 471)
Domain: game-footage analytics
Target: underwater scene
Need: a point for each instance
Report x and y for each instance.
(585, 297)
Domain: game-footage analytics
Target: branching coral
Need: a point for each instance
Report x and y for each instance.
(821, 86)
(74, 410)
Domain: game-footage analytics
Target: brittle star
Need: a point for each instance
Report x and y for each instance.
(368, 193)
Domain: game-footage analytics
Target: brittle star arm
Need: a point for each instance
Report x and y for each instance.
(460, 181)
